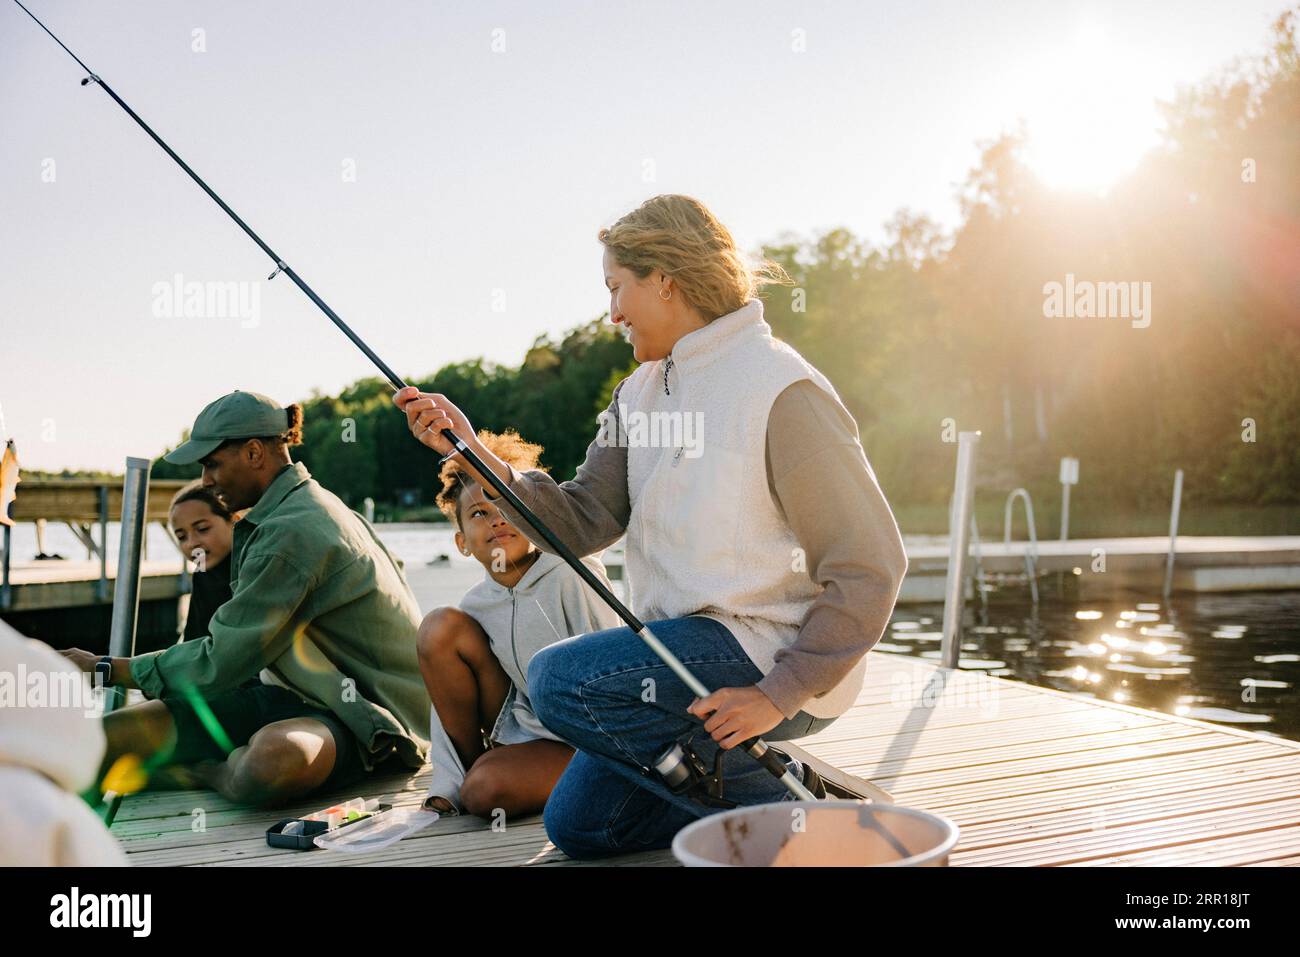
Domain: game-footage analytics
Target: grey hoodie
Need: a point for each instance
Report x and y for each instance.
(549, 603)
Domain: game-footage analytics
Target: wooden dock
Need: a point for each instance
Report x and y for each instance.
(44, 586)
(56, 599)
(1032, 776)
(1102, 566)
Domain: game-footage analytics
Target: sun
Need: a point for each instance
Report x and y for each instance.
(1094, 114)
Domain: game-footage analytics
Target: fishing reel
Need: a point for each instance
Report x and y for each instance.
(684, 772)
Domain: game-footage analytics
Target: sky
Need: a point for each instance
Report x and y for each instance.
(438, 171)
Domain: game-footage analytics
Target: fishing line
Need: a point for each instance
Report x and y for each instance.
(755, 746)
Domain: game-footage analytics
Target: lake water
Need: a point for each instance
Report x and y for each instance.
(1232, 659)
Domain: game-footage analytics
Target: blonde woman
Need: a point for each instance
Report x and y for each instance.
(760, 549)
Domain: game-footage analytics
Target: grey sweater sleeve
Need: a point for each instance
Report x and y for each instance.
(819, 477)
(822, 482)
(590, 511)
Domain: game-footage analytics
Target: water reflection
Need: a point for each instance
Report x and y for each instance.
(1230, 659)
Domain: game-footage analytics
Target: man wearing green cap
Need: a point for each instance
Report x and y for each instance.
(320, 612)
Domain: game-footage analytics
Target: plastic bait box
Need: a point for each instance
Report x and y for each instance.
(299, 833)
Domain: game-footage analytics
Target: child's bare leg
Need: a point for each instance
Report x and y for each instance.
(141, 729)
(516, 778)
(144, 729)
(465, 681)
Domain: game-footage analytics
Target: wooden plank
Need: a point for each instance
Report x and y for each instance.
(63, 572)
(1167, 833)
(253, 828)
(1015, 807)
(44, 585)
(1070, 779)
(1001, 770)
(888, 720)
(1273, 848)
(77, 500)
(519, 843)
(1004, 757)
(969, 694)
(1055, 822)
(960, 737)
(148, 804)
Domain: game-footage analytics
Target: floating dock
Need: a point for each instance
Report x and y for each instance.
(1032, 776)
(68, 602)
(1100, 566)
(44, 586)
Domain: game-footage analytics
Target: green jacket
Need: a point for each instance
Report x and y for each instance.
(323, 607)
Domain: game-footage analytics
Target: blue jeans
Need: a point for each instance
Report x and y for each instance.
(611, 697)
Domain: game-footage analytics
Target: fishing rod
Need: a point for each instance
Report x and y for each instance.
(679, 773)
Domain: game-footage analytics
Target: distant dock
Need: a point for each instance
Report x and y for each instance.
(68, 601)
(42, 586)
(1104, 565)
(1100, 566)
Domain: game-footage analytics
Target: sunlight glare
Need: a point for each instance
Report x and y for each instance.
(1095, 117)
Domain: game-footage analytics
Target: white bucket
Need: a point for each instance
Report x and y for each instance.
(817, 834)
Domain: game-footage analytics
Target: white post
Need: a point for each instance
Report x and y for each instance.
(1173, 531)
(1006, 413)
(1069, 476)
(959, 543)
(126, 589)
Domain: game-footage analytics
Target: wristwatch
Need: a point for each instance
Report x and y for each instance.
(104, 668)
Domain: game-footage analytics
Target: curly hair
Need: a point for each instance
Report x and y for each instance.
(293, 434)
(508, 446)
(680, 236)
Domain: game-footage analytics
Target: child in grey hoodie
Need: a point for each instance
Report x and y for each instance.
(475, 658)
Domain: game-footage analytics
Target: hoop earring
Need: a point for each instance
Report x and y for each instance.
(667, 297)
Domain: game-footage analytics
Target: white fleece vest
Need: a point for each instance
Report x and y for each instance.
(705, 536)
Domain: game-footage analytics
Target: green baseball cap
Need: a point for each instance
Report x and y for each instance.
(239, 415)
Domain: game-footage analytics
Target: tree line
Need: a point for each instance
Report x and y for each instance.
(934, 331)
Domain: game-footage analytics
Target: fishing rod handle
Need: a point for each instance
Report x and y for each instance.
(760, 751)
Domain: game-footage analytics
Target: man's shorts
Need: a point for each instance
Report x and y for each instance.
(241, 713)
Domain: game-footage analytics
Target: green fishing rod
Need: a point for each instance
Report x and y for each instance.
(677, 771)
